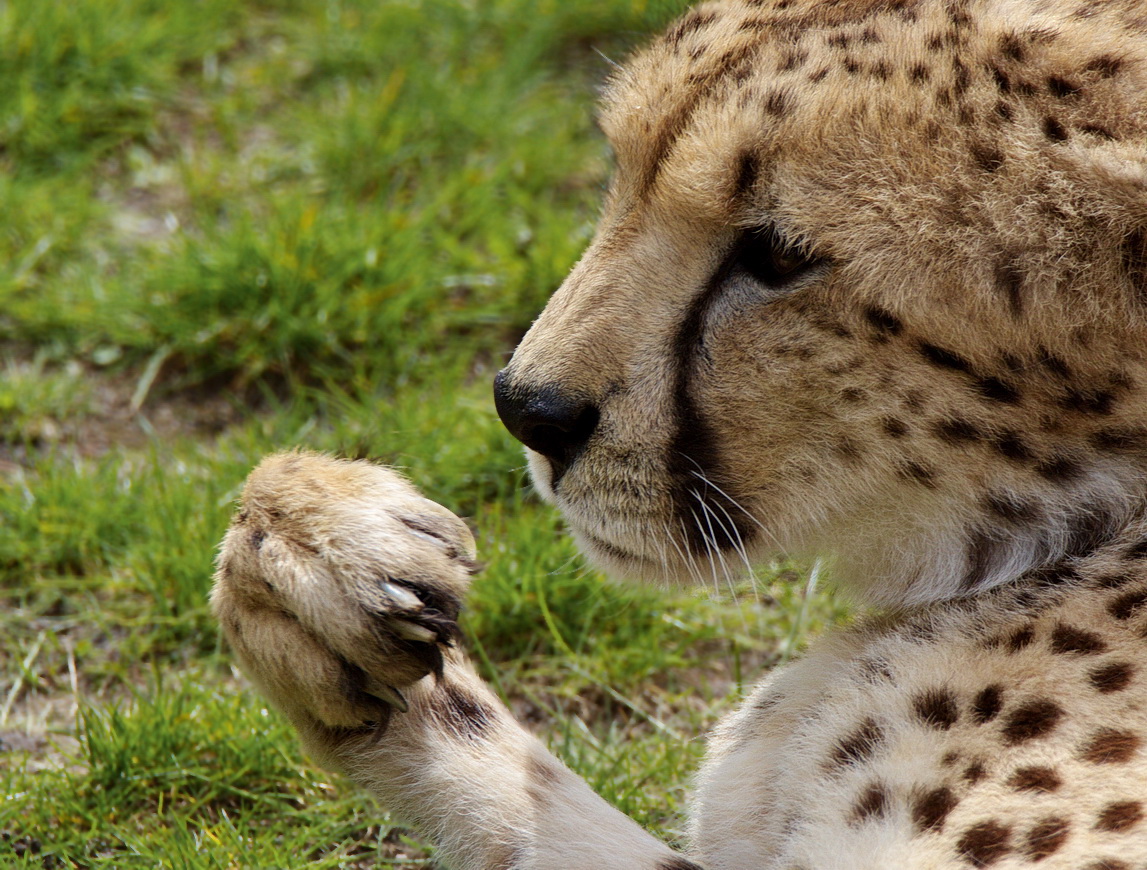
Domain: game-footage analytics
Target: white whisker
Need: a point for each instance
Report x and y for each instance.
(685, 560)
(700, 475)
(710, 516)
(734, 534)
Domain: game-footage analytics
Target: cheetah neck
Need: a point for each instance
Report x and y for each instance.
(949, 554)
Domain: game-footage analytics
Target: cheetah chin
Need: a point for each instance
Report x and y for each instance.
(870, 284)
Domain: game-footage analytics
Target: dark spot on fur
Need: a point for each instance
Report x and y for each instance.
(943, 358)
(1004, 111)
(1046, 837)
(819, 75)
(777, 104)
(1120, 816)
(961, 78)
(1065, 639)
(894, 427)
(982, 553)
(258, 536)
(931, 809)
(997, 390)
(544, 773)
(1108, 864)
(984, 844)
(1021, 639)
(1003, 82)
(1031, 721)
(504, 856)
(1058, 573)
(1054, 130)
(1110, 746)
(1011, 446)
(691, 23)
(1105, 65)
(1115, 580)
(1119, 440)
(1126, 605)
(1012, 47)
(1009, 279)
(1061, 87)
(975, 772)
(918, 473)
(872, 804)
(1035, 778)
(987, 704)
(1059, 469)
(957, 431)
(793, 60)
(1097, 130)
(883, 321)
(858, 746)
(1091, 528)
(1113, 677)
(460, 713)
(1013, 510)
(1136, 551)
(1099, 402)
(937, 708)
(919, 73)
(1054, 364)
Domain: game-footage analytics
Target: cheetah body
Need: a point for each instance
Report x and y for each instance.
(1006, 731)
(870, 284)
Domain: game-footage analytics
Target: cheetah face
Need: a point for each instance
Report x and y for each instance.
(869, 283)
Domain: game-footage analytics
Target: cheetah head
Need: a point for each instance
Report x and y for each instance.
(871, 282)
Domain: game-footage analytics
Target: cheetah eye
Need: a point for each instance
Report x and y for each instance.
(768, 259)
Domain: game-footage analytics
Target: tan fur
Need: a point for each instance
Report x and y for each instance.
(940, 383)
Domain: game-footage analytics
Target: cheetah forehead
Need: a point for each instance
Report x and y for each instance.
(735, 90)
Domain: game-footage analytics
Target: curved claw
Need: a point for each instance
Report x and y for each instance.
(403, 599)
(408, 630)
(388, 694)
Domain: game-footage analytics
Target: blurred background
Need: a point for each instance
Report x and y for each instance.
(236, 227)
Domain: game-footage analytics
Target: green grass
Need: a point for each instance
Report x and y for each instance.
(235, 227)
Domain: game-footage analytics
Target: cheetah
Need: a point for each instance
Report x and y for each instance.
(870, 284)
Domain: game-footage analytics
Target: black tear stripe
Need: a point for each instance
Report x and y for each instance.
(720, 524)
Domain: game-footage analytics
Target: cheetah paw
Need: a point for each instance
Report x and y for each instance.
(338, 585)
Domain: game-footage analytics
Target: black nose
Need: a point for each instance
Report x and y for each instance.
(555, 423)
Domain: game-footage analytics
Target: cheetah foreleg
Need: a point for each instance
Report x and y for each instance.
(338, 587)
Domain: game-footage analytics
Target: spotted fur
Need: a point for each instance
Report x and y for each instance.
(870, 285)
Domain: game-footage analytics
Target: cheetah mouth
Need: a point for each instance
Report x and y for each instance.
(660, 558)
(608, 548)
